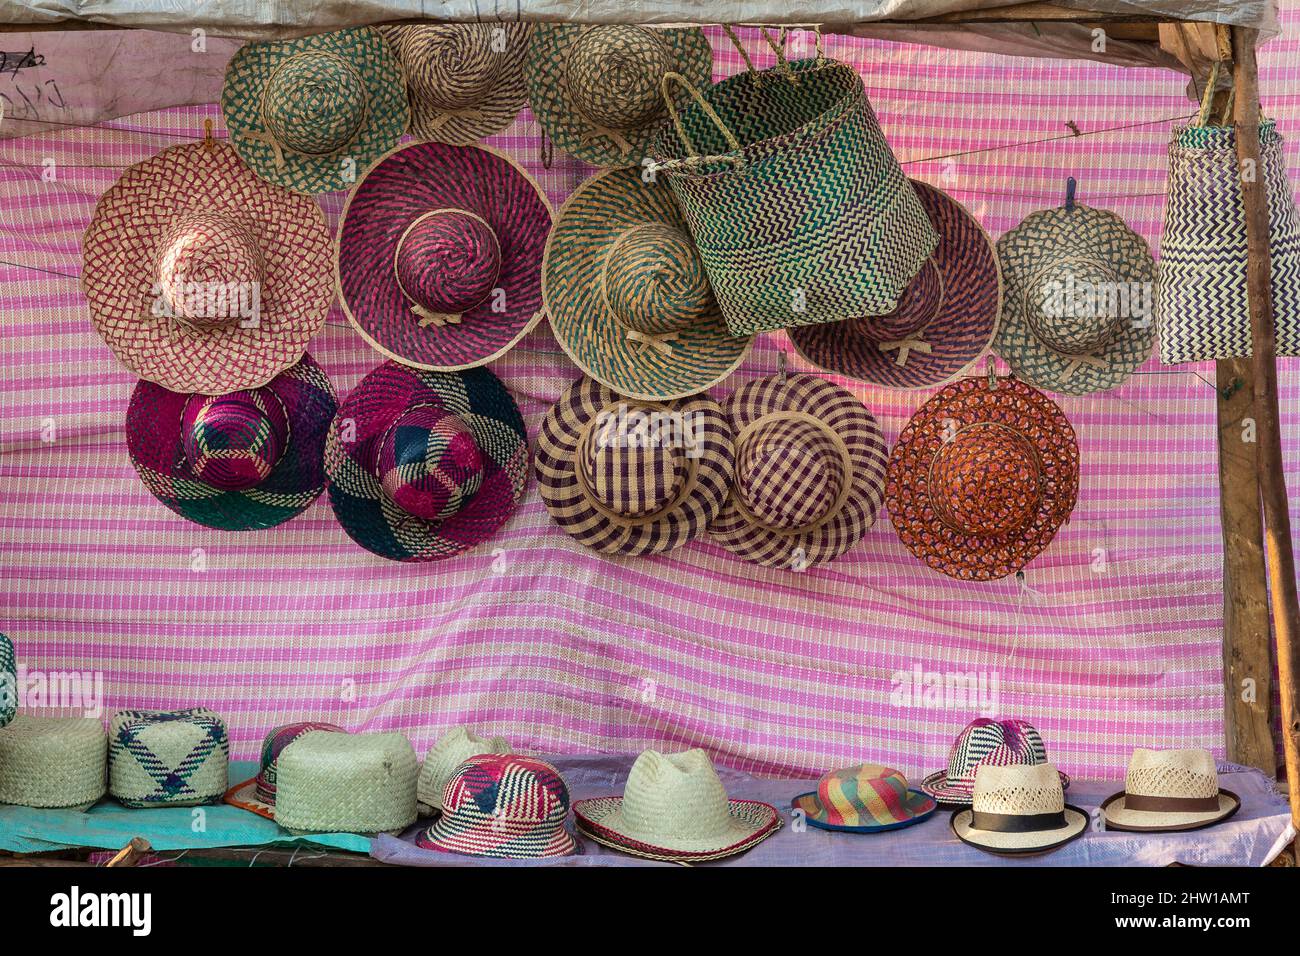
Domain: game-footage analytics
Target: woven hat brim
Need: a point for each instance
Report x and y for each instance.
(548, 93)
(958, 335)
(489, 411)
(847, 417)
(751, 822)
(950, 795)
(1076, 824)
(387, 113)
(156, 448)
(557, 480)
(414, 179)
(244, 796)
(1093, 233)
(918, 807)
(446, 835)
(1119, 817)
(122, 242)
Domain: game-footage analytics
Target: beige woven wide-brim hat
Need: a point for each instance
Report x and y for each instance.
(1019, 808)
(451, 750)
(1169, 790)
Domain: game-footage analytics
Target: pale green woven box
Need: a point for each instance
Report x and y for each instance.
(52, 761)
(176, 758)
(350, 783)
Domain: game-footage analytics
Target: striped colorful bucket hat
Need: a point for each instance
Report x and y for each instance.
(945, 320)
(244, 460)
(425, 465)
(503, 805)
(985, 741)
(439, 255)
(310, 114)
(633, 478)
(809, 476)
(202, 277)
(450, 751)
(258, 794)
(596, 89)
(867, 798)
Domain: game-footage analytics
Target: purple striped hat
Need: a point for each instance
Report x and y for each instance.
(439, 256)
(998, 743)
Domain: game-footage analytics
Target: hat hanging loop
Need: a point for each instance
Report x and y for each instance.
(1071, 184)
(207, 135)
(992, 373)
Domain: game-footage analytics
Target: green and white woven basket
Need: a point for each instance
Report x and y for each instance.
(348, 783)
(8, 681)
(54, 762)
(167, 758)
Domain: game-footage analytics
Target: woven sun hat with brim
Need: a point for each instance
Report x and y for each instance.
(985, 740)
(243, 460)
(982, 478)
(464, 81)
(176, 758)
(1018, 809)
(440, 255)
(633, 478)
(425, 465)
(505, 806)
(596, 88)
(53, 762)
(867, 798)
(627, 295)
(1077, 314)
(202, 277)
(810, 472)
(346, 783)
(8, 681)
(258, 794)
(1167, 790)
(945, 319)
(674, 807)
(450, 751)
(310, 114)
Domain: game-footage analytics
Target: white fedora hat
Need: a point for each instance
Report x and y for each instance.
(1018, 809)
(1169, 790)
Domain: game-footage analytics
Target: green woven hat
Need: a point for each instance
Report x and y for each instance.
(8, 681)
(312, 114)
(349, 783)
(52, 761)
(160, 758)
(595, 89)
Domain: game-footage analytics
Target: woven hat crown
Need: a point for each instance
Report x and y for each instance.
(273, 744)
(613, 73)
(674, 796)
(998, 742)
(451, 750)
(792, 472)
(631, 461)
(206, 261)
(917, 307)
(653, 280)
(1172, 773)
(314, 103)
(429, 463)
(233, 441)
(986, 480)
(448, 261)
(1067, 306)
(856, 790)
(506, 791)
(1018, 789)
(451, 65)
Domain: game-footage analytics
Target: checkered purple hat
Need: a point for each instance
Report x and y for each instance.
(998, 743)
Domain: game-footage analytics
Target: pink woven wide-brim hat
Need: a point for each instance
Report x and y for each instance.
(203, 277)
(440, 255)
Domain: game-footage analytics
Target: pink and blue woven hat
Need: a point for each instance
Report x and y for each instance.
(998, 743)
(867, 798)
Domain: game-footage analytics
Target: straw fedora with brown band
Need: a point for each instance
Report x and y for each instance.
(1169, 790)
(1019, 808)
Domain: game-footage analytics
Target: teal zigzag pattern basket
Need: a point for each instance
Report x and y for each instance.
(8, 681)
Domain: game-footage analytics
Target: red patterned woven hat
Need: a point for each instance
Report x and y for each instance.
(440, 255)
(201, 276)
(982, 478)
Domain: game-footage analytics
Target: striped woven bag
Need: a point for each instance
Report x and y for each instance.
(799, 209)
(8, 682)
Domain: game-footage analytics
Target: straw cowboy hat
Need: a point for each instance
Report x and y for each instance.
(200, 276)
(243, 460)
(810, 472)
(1018, 809)
(982, 477)
(309, 114)
(346, 783)
(675, 808)
(1077, 315)
(633, 478)
(54, 762)
(945, 319)
(868, 798)
(1168, 790)
(464, 81)
(985, 741)
(596, 89)
(451, 750)
(627, 295)
(258, 794)
(425, 465)
(176, 758)
(439, 256)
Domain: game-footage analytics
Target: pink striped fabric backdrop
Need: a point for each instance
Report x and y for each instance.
(1113, 641)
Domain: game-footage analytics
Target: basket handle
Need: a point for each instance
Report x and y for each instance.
(778, 47)
(709, 111)
(1207, 98)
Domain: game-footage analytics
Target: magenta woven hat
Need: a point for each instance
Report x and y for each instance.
(440, 255)
(998, 743)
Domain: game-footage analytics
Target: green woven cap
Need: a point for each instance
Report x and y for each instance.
(159, 758)
(1077, 308)
(350, 783)
(8, 681)
(312, 114)
(52, 761)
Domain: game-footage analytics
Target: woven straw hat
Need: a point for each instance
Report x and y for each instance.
(1077, 315)
(202, 277)
(810, 472)
(175, 758)
(309, 114)
(502, 805)
(464, 81)
(985, 740)
(982, 477)
(425, 465)
(633, 478)
(674, 807)
(53, 762)
(1169, 790)
(1018, 809)
(8, 681)
(439, 257)
(868, 798)
(450, 751)
(246, 459)
(627, 295)
(945, 319)
(258, 794)
(596, 89)
(346, 783)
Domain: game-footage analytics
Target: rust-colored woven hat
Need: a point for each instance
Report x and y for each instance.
(201, 276)
(810, 472)
(982, 478)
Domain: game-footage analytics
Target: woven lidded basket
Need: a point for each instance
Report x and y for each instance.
(159, 758)
(52, 761)
(799, 208)
(346, 783)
